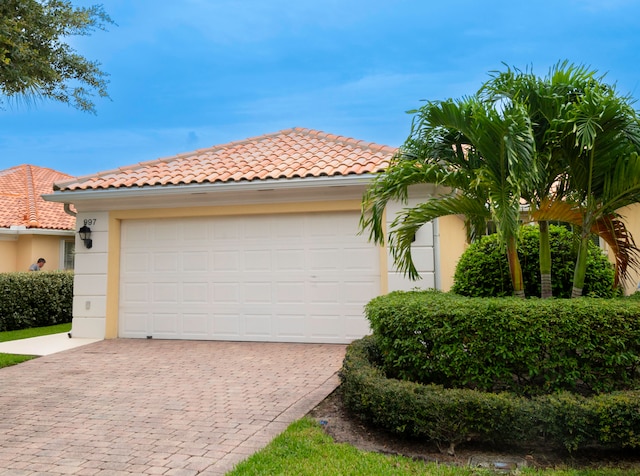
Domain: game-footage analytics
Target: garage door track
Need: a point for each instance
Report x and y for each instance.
(131, 406)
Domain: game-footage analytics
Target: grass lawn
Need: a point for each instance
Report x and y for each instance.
(12, 359)
(305, 449)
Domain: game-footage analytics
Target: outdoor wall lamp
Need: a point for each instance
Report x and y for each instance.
(85, 236)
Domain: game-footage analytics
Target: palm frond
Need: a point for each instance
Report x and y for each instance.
(405, 226)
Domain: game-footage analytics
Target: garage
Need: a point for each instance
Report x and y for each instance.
(253, 240)
(289, 277)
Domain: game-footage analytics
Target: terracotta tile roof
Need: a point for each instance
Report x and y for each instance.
(286, 154)
(21, 203)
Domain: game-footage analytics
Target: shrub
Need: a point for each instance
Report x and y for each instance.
(451, 416)
(35, 299)
(529, 347)
(483, 270)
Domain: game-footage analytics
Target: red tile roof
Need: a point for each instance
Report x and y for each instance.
(286, 154)
(21, 203)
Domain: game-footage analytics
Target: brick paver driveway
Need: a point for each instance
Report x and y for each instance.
(129, 406)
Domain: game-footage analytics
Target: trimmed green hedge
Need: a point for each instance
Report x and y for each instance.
(483, 270)
(452, 416)
(35, 299)
(530, 347)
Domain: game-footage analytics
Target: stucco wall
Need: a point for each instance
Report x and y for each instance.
(452, 238)
(19, 251)
(631, 215)
(8, 246)
(90, 279)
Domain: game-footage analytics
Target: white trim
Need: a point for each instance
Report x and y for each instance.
(21, 230)
(70, 196)
(61, 260)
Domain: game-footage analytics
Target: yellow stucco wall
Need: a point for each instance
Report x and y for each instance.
(19, 252)
(8, 258)
(631, 215)
(452, 243)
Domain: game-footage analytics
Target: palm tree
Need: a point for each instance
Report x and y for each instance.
(603, 168)
(545, 100)
(483, 154)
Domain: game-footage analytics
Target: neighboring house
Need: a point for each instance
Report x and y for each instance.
(31, 228)
(255, 240)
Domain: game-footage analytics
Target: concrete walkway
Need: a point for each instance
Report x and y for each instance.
(43, 345)
(132, 406)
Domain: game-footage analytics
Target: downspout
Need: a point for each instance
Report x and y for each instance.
(68, 211)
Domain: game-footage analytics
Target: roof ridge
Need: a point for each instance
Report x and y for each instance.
(344, 139)
(32, 209)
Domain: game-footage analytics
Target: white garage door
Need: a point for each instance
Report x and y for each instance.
(284, 278)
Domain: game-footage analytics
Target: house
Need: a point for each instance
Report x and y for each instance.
(254, 240)
(30, 227)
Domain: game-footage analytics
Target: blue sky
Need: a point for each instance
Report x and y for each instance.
(190, 74)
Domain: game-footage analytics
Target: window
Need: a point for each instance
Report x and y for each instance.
(68, 249)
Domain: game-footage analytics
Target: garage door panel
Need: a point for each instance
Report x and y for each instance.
(165, 325)
(195, 325)
(166, 293)
(359, 259)
(194, 231)
(355, 327)
(289, 260)
(290, 278)
(258, 325)
(324, 292)
(325, 327)
(288, 292)
(257, 260)
(134, 324)
(260, 293)
(195, 293)
(195, 261)
(136, 262)
(225, 292)
(227, 326)
(291, 327)
(355, 292)
(225, 261)
(165, 261)
(135, 292)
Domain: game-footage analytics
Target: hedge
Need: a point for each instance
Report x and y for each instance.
(35, 299)
(452, 416)
(530, 347)
(483, 271)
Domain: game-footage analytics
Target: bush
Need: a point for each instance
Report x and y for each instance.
(35, 299)
(483, 270)
(529, 347)
(451, 416)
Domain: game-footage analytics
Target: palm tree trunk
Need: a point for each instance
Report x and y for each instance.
(514, 268)
(546, 291)
(581, 267)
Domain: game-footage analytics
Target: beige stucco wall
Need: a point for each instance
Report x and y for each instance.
(19, 251)
(631, 215)
(452, 241)
(8, 258)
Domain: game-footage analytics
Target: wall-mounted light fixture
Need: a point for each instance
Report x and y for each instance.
(85, 236)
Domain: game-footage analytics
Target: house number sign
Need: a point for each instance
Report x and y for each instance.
(90, 221)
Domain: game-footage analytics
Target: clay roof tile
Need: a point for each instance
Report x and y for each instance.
(286, 154)
(21, 203)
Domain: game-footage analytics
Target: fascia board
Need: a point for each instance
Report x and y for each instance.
(296, 183)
